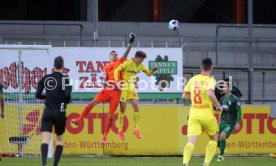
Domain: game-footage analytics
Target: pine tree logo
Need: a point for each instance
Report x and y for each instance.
(165, 71)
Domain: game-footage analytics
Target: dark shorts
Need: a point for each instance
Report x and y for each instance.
(53, 118)
(227, 128)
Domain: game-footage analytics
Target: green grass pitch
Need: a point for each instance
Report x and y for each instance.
(139, 161)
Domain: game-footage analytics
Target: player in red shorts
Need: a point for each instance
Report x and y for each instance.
(110, 93)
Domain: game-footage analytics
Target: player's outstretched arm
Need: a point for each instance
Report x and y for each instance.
(132, 37)
(147, 71)
(214, 99)
(39, 90)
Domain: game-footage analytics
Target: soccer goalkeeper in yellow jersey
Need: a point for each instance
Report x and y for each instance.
(129, 70)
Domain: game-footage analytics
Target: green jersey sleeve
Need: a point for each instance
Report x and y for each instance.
(238, 109)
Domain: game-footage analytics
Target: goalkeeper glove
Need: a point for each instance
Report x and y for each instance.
(131, 37)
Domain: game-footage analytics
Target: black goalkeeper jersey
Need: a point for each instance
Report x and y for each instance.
(58, 90)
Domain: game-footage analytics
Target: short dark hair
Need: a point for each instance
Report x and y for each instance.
(227, 81)
(207, 64)
(140, 54)
(113, 51)
(58, 62)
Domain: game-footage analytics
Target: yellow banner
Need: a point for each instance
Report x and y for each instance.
(159, 127)
(163, 128)
(164, 131)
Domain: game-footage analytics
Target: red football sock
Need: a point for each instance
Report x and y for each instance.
(86, 110)
(108, 125)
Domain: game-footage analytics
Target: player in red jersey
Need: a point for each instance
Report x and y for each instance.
(110, 93)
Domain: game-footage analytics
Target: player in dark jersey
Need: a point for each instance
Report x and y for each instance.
(2, 102)
(58, 95)
(230, 118)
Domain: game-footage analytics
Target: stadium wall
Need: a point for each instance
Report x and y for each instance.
(199, 39)
(202, 31)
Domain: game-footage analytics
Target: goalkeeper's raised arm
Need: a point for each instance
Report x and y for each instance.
(132, 37)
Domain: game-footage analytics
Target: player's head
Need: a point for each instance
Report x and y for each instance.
(113, 56)
(226, 87)
(206, 65)
(139, 57)
(59, 63)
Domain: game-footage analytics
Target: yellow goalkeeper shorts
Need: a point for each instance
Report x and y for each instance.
(195, 126)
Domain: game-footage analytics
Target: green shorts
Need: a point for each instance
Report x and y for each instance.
(227, 128)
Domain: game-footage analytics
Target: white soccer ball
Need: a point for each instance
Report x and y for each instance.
(173, 25)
